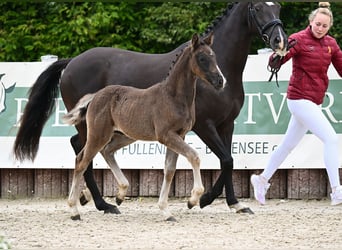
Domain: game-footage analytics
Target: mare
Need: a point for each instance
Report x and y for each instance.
(164, 112)
(216, 111)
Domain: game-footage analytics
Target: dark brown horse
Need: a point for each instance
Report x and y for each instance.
(215, 111)
(164, 112)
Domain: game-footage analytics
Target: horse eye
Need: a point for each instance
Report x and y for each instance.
(257, 7)
(203, 60)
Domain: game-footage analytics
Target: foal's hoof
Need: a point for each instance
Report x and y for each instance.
(190, 205)
(205, 200)
(85, 196)
(83, 199)
(112, 210)
(172, 219)
(76, 217)
(118, 201)
(245, 210)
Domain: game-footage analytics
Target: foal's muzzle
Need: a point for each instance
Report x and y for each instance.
(221, 80)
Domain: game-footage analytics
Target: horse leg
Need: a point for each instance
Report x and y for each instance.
(118, 141)
(100, 203)
(94, 144)
(80, 167)
(226, 176)
(177, 144)
(213, 140)
(215, 191)
(169, 172)
(225, 179)
(222, 149)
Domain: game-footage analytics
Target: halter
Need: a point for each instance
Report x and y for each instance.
(277, 62)
(262, 29)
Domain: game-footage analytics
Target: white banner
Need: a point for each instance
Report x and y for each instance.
(258, 129)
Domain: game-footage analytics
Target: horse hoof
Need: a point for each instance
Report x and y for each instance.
(118, 201)
(112, 210)
(172, 219)
(190, 205)
(76, 217)
(83, 199)
(245, 210)
(205, 200)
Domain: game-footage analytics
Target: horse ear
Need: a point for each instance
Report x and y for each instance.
(209, 39)
(195, 41)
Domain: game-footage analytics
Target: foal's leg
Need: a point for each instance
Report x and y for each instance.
(92, 188)
(169, 172)
(82, 161)
(118, 141)
(95, 142)
(177, 144)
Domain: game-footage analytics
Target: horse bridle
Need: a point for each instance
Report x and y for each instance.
(262, 28)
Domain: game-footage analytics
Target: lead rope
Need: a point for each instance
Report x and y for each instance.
(276, 60)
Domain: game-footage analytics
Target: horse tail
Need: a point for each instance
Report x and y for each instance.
(40, 105)
(78, 113)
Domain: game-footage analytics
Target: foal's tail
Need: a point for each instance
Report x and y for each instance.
(39, 107)
(78, 113)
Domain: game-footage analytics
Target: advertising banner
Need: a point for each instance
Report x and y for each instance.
(258, 129)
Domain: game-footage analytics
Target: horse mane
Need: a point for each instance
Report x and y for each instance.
(218, 19)
(178, 55)
(225, 13)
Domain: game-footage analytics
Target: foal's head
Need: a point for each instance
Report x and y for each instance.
(204, 63)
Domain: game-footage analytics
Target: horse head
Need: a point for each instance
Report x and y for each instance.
(264, 16)
(204, 63)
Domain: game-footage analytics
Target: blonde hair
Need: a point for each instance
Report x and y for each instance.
(323, 8)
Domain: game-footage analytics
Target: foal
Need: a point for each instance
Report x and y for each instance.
(165, 112)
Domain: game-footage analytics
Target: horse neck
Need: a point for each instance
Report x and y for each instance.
(181, 81)
(232, 42)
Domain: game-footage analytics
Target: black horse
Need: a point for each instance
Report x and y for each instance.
(215, 111)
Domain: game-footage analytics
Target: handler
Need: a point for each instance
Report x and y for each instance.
(312, 55)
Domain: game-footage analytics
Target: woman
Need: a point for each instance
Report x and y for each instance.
(311, 56)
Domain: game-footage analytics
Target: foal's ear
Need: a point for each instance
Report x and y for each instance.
(209, 39)
(195, 41)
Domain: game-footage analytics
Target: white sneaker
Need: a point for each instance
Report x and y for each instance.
(336, 197)
(260, 188)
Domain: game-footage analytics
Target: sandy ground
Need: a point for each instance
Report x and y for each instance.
(281, 224)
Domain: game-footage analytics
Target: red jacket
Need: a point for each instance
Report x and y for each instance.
(311, 58)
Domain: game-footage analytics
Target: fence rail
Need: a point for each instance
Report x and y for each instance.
(53, 183)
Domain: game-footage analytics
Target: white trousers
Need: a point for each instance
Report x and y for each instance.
(307, 116)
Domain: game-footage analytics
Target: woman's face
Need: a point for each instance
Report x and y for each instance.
(320, 25)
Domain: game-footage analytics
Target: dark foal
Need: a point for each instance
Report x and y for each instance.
(164, 112)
